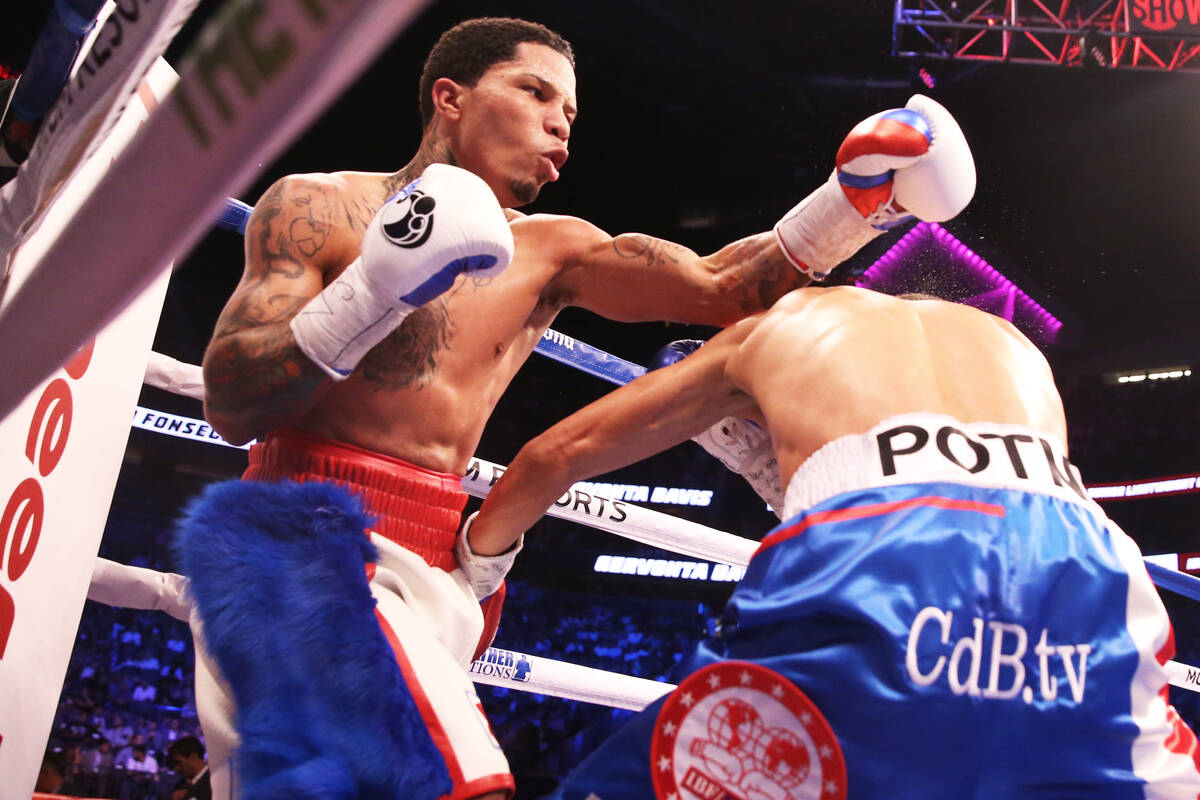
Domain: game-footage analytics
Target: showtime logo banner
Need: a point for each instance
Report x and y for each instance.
(1180, 17)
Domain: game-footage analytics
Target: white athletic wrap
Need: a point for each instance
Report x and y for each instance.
(746, 449)
(823, 230)
(483, 573)
(444, 223)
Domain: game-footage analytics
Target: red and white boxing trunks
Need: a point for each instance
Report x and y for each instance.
(423, 606)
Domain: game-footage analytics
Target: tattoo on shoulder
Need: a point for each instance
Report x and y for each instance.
(292, 221)
(358, 212)
(653, 251)
(408, 357)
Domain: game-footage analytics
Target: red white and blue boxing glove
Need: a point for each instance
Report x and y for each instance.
(893, 166)
(441, 225)
(740, 444)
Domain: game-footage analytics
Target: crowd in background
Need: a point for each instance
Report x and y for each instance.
(127, 698)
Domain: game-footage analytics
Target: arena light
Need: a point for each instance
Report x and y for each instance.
(1175, 484)
(1166, 373)
(967, 278)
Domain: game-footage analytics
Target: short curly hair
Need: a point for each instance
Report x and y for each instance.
(471, 48)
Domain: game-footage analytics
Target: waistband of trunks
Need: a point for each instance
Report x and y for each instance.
(417, 508)
(924, 448)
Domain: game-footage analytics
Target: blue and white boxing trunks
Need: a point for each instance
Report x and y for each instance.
(944, 614)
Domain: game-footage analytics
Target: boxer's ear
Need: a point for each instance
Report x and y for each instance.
(447, 98)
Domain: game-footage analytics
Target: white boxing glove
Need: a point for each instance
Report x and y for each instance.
(444, 223)
(893, 166)
(746, 448)
(483, 573)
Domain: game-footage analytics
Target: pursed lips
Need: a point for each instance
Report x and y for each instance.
(554, 160)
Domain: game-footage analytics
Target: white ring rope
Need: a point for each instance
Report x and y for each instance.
(174, 376)
(629, 520)
(513, 670)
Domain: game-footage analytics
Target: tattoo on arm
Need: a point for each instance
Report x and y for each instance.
(756, 272)
(291, 221)
(654, 251)
(259, 363)
(408, 357)
(255, 373)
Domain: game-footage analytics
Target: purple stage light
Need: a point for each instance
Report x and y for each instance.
(931, 260)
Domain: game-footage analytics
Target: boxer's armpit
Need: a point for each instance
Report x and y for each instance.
(408, 357)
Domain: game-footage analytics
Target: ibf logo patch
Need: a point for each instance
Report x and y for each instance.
(408, 220)
(739, 730)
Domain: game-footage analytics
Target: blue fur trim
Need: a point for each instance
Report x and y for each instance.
(277, 574)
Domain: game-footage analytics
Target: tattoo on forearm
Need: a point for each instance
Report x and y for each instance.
(408, 357)
(753, 273)
(240, 371)
(248, 309)
(654, 251)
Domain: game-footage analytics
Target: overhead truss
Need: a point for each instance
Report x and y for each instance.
(1155, 35)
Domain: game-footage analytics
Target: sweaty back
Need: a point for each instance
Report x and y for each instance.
(830, 362)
